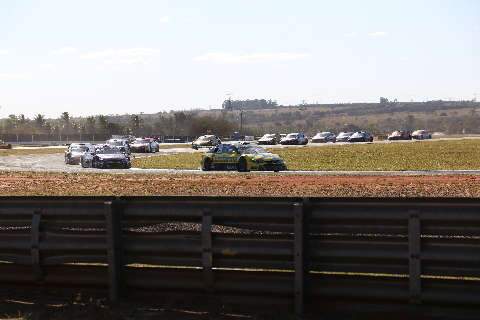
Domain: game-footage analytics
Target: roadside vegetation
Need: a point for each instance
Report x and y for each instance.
(278, 185)
(184, 160)
(173, 145)
(438, 155)
(27, 151)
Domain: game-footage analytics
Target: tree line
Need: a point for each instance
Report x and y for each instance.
(160, 124)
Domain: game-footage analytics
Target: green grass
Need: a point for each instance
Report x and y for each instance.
(437, 155)
(172, 161)
(22, 152)
(174, 145)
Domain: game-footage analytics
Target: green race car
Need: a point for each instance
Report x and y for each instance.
(242, 158)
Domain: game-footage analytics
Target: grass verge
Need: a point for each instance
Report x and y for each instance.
(170, 161)
(174, 145)
(438, 155)
(26, 151)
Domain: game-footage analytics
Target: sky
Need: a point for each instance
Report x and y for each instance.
(113, 57)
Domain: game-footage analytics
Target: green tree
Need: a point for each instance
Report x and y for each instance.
(90, 125)
(39, 121)
(102, 125)
(135, 124)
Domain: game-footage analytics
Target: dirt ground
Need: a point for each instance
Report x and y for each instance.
(56, 184)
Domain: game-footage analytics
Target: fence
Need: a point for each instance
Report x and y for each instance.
(309, 256)
(63, 139)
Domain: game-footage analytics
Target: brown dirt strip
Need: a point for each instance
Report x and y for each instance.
(57, 184)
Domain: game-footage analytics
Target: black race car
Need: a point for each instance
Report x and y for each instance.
(360, 136)
(106, 157)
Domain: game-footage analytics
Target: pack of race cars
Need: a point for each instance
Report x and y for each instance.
(242, 156)
(115, 153)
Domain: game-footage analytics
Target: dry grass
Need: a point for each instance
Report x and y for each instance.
(26, 151)
(98, 184)
(437, 155)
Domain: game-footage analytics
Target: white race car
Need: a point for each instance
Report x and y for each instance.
(144, 145)
(421, 135)
(75, 152)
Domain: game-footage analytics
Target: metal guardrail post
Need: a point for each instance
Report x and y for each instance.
(299, 281)
(414, 248)
(35, 246)
(113, 217)
(207, 258)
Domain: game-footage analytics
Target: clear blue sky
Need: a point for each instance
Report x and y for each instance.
(113, 56)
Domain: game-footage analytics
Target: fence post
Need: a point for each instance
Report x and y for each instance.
(414, 247)
(35, 246)
(113, 218)
(207, 259)
(299, 281)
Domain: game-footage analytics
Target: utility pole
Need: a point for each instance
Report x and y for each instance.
(229, 102)
(241, 121)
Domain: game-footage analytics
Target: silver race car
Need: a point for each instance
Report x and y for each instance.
(144, 145)
(75, 152)
(106, 157)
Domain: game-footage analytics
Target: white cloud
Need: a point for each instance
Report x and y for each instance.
(164, 19)
(4, 52)
(64, 51)
(47, 65)
(378, 34)
(15, 76)
(123, 56)
(225, 57)
(351, 34)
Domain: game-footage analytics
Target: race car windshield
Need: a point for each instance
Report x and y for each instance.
(253, 150)
(268, 136)
(108, 151)
(142, 141)
(292, 135)
(323, 134)
(79, 149)
(345, 134)
(202, 139)
(116, 143)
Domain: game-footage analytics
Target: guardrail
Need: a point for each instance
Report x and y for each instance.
(308, 256)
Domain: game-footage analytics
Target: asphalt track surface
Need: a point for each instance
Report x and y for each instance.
(55, 163)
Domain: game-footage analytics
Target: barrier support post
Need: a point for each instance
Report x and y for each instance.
(113, 217)
(299, 282)
(414, 247)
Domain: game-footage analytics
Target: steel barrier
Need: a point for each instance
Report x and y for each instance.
(306, 256)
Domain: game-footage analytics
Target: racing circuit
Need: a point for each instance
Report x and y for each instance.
(55, 163)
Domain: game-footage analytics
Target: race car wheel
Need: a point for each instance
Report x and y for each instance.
(242, 165)
(207, 165)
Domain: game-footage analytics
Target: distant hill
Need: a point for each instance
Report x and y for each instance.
(446, 116)
(262, 116)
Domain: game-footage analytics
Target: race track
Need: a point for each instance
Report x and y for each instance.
(55, 163)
